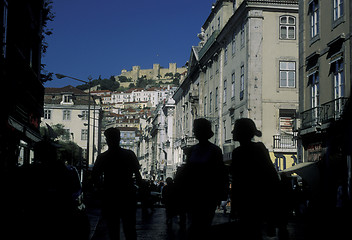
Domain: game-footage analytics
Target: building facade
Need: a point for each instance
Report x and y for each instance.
(244, 67)
(69, 106)
(325, 110)
(325, 71)
(156, 146)
(20, 73)
(149, 97)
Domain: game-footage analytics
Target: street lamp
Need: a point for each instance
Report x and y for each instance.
(60, 76)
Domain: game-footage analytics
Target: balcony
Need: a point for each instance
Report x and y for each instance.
(285, 142)
(327, 112)
(188, 142)
(208, 44)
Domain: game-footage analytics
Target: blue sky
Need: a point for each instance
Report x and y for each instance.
(102, 37)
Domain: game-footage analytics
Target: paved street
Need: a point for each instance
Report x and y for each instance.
(153, 227)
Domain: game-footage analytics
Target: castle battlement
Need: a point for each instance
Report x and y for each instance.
(156, 73)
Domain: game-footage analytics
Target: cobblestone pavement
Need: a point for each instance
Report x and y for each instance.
(152, 226)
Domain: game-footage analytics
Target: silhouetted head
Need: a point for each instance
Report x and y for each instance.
(245, 130)
(169, 181)
(202, 129)
(45, 151)
(112, 136)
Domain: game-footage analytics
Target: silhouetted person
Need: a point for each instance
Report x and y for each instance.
(254, 180)
(44, 192)
(119, 168)
(203, 180)
(168, 198)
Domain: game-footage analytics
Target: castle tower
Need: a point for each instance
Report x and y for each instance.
(156, 70)
(173, 68)
(135, 73)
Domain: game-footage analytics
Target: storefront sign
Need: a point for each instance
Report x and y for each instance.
(315, 152)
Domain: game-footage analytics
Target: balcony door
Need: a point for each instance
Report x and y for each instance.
(315, 96)
(339, 86)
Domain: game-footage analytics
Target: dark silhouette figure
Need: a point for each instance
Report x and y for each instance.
(254, 181)
(203, 180)
(168, 199)
(119, 169)
(43, 202)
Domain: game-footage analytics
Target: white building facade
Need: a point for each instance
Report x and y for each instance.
(69, 106)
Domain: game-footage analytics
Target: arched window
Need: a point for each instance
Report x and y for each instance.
(287, 27)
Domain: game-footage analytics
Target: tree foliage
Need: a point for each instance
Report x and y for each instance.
(68, 151)
(104, 84)
(47, 16)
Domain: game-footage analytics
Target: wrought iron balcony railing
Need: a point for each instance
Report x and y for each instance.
(285, 141)
(325, 113)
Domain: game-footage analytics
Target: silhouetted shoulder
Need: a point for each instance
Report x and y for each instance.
(260, 145)
(127, 151)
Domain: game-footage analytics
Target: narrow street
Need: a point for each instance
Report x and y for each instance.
(153, 227)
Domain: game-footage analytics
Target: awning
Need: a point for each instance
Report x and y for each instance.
(34, 136)
(298, 167)
(309, 171)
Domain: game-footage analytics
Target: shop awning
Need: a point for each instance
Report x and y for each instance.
(34, 136)
(309, 171)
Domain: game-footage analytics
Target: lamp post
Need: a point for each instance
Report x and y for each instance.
(60, 76)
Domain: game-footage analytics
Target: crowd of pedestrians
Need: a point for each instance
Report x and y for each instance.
(198, 188)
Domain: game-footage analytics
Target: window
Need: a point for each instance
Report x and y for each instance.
(210, 101)
(234, 43)
(286, 120)
(67, 99)
(233, 85)
(242, 35)
(225, 90)
(242, 83)
(338, 9)
(205, 106)
(216, 97)
(225, 57)
(339, 86)
(47, 114)
(339, 79)
(211, 70)
(66, 115)
(217, 66)
(287, 27)
(219, 23)
(315, 94)
(287, 74)
(314, 18)
(84, 134)
(84, 115)
(216, 134)
(224, 134)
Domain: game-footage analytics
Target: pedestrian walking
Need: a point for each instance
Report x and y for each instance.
(254, 181)
(203, 180)
(168, 197)
(118, 168)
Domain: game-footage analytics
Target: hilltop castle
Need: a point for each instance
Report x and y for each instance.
(156, 73)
